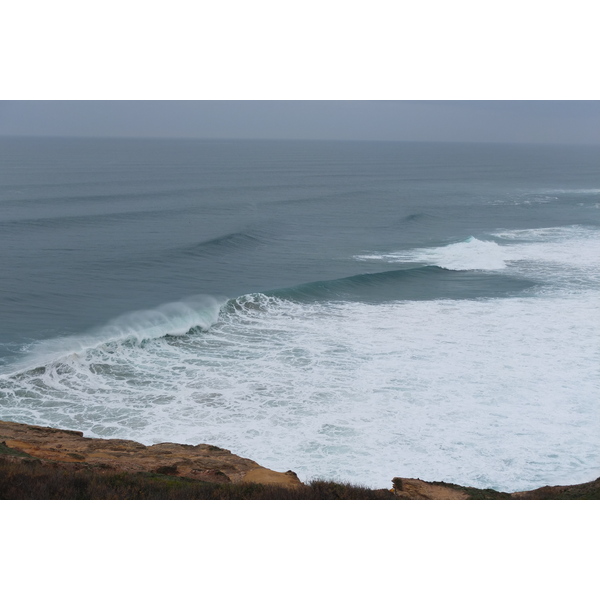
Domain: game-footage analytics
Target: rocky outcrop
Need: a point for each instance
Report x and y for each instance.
(416, 489)
(202, 462)
(63, 450)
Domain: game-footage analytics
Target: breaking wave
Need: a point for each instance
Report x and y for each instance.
(171, 319)
(552, 254)
(467, 255)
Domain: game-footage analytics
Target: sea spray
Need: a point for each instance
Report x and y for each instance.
(173, 318)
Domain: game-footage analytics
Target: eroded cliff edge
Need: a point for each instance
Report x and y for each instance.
(69, 452)
(202, 462)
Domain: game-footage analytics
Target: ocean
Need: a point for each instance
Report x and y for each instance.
(354, 311)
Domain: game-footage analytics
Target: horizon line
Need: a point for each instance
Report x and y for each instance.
(277, 139)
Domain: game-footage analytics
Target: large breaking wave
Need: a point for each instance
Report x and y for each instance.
(171, 319)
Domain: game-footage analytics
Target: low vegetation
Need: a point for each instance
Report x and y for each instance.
(23, 477)
(32, 479)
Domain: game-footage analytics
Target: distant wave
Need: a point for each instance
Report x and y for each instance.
(89, 198)
(467, 255)
(419, 283)
(546, 196)
(415, 217)
(232, 241)
(91, 220)
(575, 191)
(313, 199)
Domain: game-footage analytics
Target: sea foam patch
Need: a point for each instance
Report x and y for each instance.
(553, 254)
(565, 256)
(469, 254)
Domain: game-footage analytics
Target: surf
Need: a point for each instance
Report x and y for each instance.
(170, 319)
(467, 255)
(468, 391)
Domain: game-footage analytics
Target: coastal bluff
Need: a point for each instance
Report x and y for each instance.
(29, 453)
(203, 462)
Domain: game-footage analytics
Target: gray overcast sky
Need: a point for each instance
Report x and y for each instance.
(469, 121)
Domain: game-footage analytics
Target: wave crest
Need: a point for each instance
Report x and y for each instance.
(173, 319)
(471, 254)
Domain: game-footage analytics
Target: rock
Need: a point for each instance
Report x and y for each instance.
(580, 491)
(416, 489)
(202, 462)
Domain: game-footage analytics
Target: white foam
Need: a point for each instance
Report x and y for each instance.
(560, 255)
(563, 256)
(467, 255)
(545, 196)
(585, 191)
(497, 393)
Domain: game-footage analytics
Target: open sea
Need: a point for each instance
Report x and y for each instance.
(348, 310)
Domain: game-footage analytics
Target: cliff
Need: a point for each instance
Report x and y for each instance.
(43, 462)
(202, 462)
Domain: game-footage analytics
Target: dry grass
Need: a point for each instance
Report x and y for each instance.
(32, 479)
(26, 478)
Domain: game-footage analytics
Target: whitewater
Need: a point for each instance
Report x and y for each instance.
(347, 311)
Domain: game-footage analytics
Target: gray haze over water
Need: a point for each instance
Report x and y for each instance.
(562, 122)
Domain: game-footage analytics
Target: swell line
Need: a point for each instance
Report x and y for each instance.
(419, 283)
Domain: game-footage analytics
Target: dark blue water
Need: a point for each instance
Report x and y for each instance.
(336, 308)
